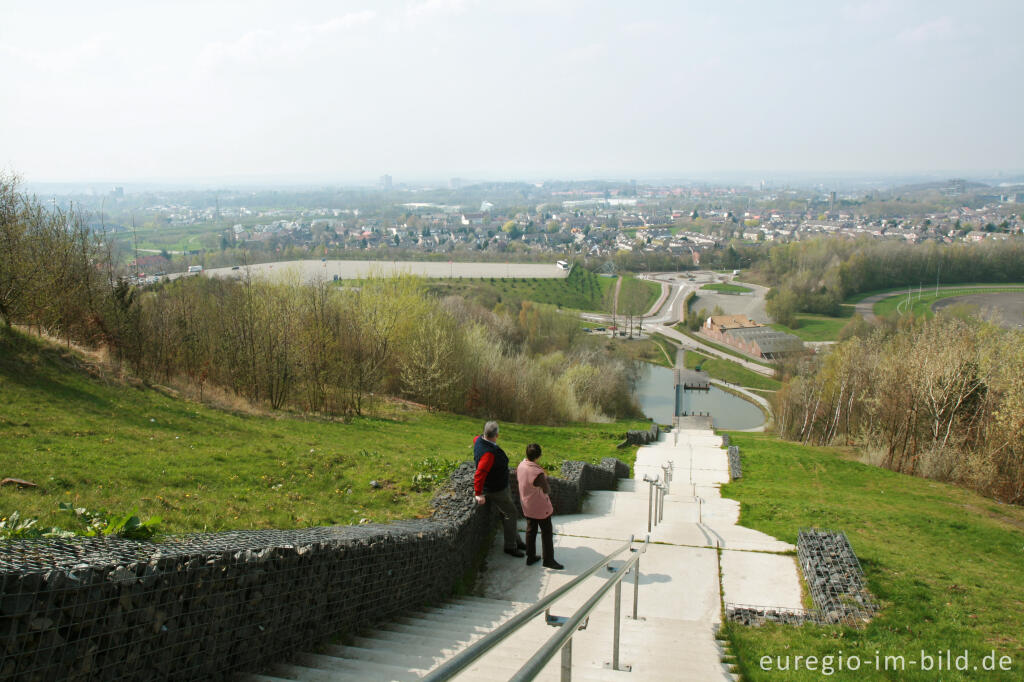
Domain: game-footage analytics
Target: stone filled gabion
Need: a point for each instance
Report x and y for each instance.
(835, 579)
(735, 466)
(205, 606)
(641, 437)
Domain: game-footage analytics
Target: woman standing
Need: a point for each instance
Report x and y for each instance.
(534, 494)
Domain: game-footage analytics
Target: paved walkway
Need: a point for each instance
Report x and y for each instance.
(680, 596)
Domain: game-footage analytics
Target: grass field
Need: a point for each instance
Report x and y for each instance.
(818, 327)
(96, 443)
(726, 370)
(944, 562)
(727, 288)
(636, 296)
(581, 290)
(921, 303)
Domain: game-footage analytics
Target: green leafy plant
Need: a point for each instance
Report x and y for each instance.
(433, 472)
(129, 525)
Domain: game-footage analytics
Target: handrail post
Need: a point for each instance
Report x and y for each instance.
(636, 585)
(650, 501)
(567, 661)
(618, 613)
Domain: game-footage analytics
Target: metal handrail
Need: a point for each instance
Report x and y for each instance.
(563, 638)
(466, 657)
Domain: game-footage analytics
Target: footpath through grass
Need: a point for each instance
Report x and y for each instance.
(944, 562)
(98, 444)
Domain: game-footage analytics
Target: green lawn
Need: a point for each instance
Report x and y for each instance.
(726, 370)
(636, 296)
(944, 562)
(921, 302)
(99, 444)
(818, 327)
(727, 288)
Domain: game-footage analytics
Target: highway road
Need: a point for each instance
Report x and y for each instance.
(668, 311)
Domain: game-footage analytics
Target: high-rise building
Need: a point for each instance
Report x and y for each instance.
(385, 183)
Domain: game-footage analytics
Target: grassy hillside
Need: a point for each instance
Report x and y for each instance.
(96, 443)
(943, 561)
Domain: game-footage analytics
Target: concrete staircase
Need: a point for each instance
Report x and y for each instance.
(405, 648)
(408, 647)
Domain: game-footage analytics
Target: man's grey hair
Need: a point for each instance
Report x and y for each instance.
(490, 430)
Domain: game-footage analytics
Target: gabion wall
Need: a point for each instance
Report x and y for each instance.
(641, 437)
(735, 466)
(835, 579)
(206, 606)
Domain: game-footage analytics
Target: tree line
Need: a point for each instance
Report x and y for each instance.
(940, 398)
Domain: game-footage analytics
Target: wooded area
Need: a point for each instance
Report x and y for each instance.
(940, 398)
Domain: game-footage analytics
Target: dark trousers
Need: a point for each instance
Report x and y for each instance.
(501, 501)
(547, 541)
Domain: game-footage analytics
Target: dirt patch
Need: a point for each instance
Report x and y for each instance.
(1009, 306)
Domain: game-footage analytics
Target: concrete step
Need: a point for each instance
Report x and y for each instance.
(341, 669)
(396, 656)
(419, 644)
(447, 624)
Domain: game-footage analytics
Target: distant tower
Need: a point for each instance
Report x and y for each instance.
(831, 202)
(385, 183)
(455, 183)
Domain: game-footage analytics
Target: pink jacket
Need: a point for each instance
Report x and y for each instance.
(536, 503)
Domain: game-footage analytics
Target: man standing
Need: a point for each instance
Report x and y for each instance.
(490, 484)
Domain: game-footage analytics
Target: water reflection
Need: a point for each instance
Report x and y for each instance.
(657, 397)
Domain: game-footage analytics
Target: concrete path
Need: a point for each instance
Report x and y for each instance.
(680, 593)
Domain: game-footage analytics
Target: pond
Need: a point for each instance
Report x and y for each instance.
(657, 397)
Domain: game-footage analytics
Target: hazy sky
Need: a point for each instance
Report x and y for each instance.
(529, 89)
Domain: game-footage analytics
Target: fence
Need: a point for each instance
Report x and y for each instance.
(203, 607)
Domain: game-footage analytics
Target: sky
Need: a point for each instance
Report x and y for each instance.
(424, 90)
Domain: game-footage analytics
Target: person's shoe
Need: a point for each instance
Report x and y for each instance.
(531, 560)
(520, 544)
(515, 552)
(553, 565)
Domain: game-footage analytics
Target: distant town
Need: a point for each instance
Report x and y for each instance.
(164, 231)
